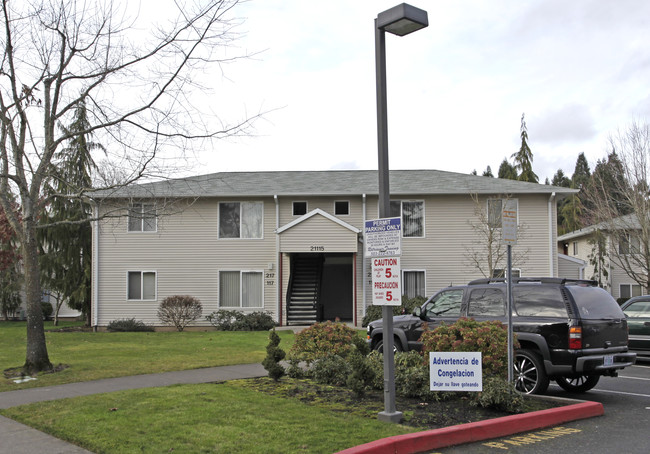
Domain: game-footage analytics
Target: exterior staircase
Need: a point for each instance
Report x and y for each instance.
(304, 290)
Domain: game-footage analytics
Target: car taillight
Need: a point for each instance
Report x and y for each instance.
(575, 337)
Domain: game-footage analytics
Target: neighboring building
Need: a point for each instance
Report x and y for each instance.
(580, 246)
(279, 241)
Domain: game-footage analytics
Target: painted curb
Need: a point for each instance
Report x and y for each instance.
(478, 431)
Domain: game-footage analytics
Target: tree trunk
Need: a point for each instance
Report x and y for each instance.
(37, 359)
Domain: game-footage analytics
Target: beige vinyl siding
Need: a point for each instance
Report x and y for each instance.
(318, 234)
(186, 255)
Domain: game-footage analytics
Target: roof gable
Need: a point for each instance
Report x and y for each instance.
(318, 212)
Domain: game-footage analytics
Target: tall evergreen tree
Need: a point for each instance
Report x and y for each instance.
(507, 171)
(561, 180)
(10, 276)
(581, 173)
(524, 157)
(612, 183)
(67, 239)
(488, 172)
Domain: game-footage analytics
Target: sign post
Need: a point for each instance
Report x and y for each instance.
(509, 237)
(383, 244)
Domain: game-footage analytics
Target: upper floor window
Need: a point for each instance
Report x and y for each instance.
(629, 244)
(412, 214)
(142, 217)
(495, 209)
(630, 290)
(299, 208)
(341, 208)
(575, 248)
(241, 219)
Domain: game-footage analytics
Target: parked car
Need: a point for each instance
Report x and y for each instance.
(637, 311)
(570, 331)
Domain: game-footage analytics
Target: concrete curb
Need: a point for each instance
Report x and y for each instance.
(478, 431)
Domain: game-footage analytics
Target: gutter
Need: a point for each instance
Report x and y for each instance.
(363, 257)
(278, 261)
(552, 245)
(95, 259)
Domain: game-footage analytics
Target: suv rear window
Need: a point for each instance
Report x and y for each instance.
(595, 303)
(539, 301)
(487, 302)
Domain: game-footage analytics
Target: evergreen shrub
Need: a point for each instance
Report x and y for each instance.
(128, 325)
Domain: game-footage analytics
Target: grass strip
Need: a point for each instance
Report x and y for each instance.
(92, 356)
(215, 418)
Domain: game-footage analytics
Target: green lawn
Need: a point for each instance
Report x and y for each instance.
(215, 418)
(92, 356)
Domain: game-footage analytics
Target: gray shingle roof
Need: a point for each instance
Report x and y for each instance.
(329, 182)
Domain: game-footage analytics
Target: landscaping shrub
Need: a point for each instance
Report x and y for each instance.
(228, 320)
(467, 335)
(47, 310)
(274, 354)
(411, 375)
(331, 369)
(499, 394)
(323, 339)
(408, 305)
(128, 325)
(179, 310)
(362, 374)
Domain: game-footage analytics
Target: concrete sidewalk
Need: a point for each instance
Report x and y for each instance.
(20, 439)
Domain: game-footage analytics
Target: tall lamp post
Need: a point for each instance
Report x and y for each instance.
(399, 20)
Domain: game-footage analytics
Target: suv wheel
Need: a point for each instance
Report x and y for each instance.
(578, 384)
(529, 374)
(397, 347)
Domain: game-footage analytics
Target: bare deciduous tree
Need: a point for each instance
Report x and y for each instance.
(140, 83)
(488, 253)
(619, 201)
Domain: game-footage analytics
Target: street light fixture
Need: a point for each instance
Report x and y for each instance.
(399, 20)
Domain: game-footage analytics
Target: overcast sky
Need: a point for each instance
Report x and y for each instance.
(578, 69)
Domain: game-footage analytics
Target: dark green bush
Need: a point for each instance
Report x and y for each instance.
(47, 310)
(408, 305)
(362, 374)
(274, 354)
(331, 370)
(499, 394)
(128, 325)
(233, 320)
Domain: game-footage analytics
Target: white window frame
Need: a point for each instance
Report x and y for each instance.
(516, 272)
(632, 242)
(424, 272)
(342, 201)
(401, 215)
(496, 224)
(241, 273)
(239, 202)
(142, 273)
(630, 290)
(575, 248)
(293, 207)
(144, 209)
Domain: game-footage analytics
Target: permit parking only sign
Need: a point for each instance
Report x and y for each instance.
(383, 244)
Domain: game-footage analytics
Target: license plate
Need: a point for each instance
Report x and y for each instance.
(608, 360)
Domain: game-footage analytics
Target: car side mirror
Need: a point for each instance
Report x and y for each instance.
(417, 312)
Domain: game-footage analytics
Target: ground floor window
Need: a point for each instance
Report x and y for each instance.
(501, 272)
(413, 283)
(141, 285)
(630, 290)
(241, 289)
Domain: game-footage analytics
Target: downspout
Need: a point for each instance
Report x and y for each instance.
(552, 246)
(363, 257)
(278, 260)
(95, 259)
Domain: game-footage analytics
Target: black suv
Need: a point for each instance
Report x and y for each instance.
(571, 331)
